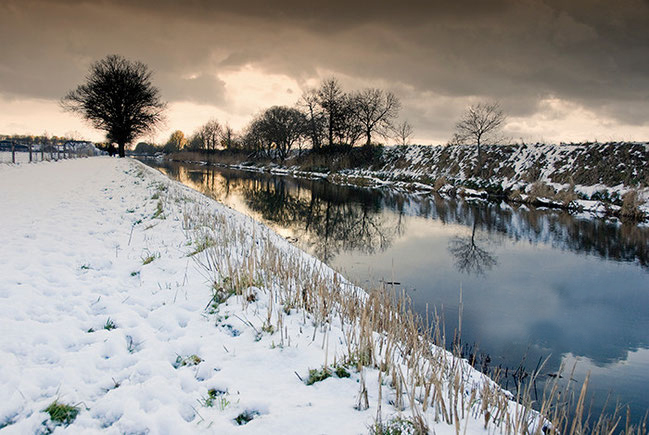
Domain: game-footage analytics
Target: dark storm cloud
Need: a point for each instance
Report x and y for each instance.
(592, 52)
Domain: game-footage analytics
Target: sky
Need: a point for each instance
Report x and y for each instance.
(562, 70)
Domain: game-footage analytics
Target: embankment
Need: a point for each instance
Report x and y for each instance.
(592, 177)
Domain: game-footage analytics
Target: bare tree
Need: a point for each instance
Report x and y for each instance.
(194, 143)
(402, 133)
(252, 139)
(350, 129)
(309, 103)
(119, 98)
(280, 127)
(228, 137)
(376, 110)
(332, 99)
(209, 135)
(480, 124)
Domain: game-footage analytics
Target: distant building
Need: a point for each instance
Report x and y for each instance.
(81, 147)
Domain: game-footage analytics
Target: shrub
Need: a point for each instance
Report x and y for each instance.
(566, 196)
(540, 190)
(631, 203)
(342, 372)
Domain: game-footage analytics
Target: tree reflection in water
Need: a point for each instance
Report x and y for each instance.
(329, 219)
(582, 308)
(324, 217)
(469, 257)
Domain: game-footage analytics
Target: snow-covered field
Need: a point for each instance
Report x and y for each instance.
(114, 300)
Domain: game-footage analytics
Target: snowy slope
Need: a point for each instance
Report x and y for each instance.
(107, 304)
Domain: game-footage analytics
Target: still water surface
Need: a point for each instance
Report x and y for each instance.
(535, 283)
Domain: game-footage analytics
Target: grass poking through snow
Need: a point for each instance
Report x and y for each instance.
(61, 413)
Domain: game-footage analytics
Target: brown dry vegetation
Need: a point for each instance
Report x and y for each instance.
(631, 203)
(383, 336)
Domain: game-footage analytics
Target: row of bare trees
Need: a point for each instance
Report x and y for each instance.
(323, 117)
(327, 116)
(336, 117)
(119, 98)
(208, 137)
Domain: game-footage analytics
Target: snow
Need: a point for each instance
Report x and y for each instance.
(22, 157)
(91, 243)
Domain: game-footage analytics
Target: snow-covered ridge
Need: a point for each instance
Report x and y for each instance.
(590, 177)
(148, 307)
(593, 164)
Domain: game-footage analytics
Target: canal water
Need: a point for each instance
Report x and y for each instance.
(535, 283)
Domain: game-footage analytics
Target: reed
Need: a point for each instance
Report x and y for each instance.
(382, 337)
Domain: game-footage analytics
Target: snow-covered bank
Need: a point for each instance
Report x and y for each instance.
(591, 178)
(150, 307)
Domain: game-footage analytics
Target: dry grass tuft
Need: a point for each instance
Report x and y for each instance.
(382, 335)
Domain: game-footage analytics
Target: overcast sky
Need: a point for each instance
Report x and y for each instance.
(563, 70)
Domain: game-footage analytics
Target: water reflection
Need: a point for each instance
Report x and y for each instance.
(325, 218)
(535, 282)
(469, 257)
(336, 218)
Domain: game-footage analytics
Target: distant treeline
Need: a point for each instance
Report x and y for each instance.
(20, 139)
(324, 117)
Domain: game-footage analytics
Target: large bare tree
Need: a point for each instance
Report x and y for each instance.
(119, 98)
(480, 124)
(376, 110)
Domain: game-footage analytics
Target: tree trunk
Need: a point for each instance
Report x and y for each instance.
(331, 132)
(314, 135)
(314, 131)
(122, 151)
(368, 133)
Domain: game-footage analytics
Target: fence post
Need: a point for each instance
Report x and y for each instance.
(13, 152)
(30, 152)
(42, 152)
